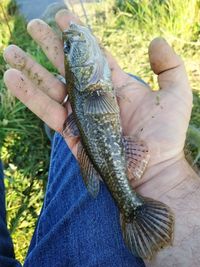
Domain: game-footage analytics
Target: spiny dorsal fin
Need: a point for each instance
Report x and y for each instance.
(70, 128)
(90, 175)
(137, 156)
(101, 103)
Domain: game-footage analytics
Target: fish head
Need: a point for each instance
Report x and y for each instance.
(83, 57)
(75, 45)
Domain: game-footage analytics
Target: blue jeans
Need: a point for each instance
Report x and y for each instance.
(74, 229)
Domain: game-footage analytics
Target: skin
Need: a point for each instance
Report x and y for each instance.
(160, 118)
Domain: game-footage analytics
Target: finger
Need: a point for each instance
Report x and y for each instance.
(168, 66)
(38, 102)
(50, 43)
(64, 18)
(41, 78)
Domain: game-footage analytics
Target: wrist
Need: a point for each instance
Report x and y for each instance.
(163, 177)
(178, 186)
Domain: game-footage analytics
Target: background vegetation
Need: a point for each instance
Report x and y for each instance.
(125, 28)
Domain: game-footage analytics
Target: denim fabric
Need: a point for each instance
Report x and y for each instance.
(73, 229)
(7, 257)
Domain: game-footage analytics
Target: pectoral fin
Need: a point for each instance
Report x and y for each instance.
(70, 128)
(137, 157)
(90, 175)
(101, 103)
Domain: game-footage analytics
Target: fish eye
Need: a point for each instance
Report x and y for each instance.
(66, 47)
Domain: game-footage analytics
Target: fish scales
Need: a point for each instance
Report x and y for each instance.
(147, 224)
(101, 137)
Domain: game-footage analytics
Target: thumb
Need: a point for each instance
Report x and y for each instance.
(168, 66)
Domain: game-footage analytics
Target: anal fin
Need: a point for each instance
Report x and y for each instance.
(90, 175)
(137, 157)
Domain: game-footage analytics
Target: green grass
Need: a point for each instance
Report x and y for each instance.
(24, 146)
(125, 28)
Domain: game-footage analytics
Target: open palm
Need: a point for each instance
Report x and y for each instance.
(159, 117)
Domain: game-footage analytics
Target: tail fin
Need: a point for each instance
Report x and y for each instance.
(151, 229)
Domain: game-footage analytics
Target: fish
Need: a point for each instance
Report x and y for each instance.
(104, 154)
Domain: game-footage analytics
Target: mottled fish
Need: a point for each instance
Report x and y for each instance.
(104, 154)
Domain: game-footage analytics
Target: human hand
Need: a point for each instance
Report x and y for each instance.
(160, 118)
